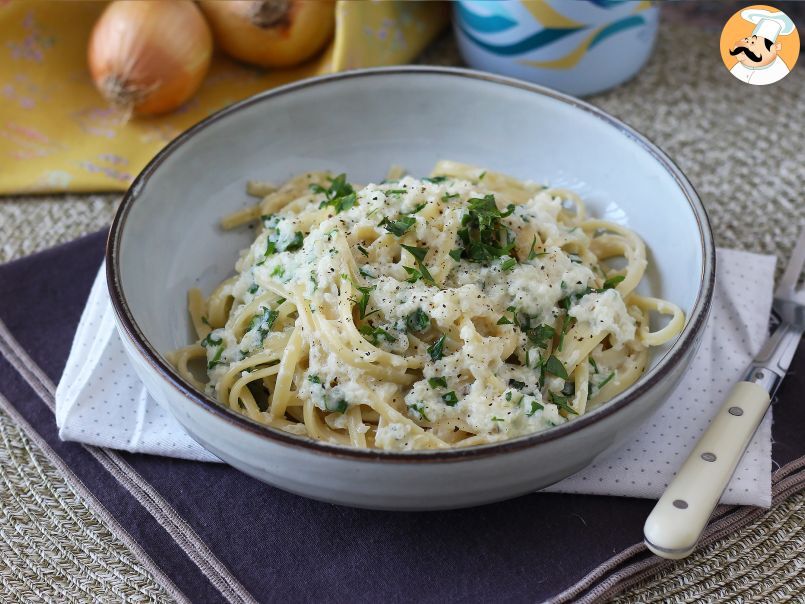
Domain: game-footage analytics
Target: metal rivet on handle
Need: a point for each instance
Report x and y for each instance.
(709, 456)
(758, 376)
(680, 503)
(736, 411)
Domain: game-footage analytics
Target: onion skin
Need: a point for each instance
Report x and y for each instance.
(271, 33)
(149, 57)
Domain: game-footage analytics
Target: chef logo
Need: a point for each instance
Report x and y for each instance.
(759, 45)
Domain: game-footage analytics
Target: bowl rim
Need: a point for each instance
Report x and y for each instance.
(684, 343)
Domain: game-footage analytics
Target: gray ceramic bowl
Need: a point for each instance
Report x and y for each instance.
(165, 239)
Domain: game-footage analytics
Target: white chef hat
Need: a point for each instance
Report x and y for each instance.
(769, 24)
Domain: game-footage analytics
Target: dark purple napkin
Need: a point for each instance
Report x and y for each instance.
(222, 536)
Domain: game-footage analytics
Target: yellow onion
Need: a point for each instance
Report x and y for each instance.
(149, 56)
(271, 33)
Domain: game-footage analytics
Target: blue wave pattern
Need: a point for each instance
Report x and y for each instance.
(471, 23)
(490, 24)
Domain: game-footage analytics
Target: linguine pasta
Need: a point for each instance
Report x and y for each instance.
(455, 310)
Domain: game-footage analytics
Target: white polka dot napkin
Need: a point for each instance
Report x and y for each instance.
(100, 401)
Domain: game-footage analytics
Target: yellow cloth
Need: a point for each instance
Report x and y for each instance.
(58, 134)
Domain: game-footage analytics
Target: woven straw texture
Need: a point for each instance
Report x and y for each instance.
(739, 146)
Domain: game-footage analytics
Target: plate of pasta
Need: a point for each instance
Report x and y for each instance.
(382, 325)
(458, 309)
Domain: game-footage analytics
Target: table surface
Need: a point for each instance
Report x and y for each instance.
(740, 146)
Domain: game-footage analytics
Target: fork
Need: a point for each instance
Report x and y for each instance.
(681, 514)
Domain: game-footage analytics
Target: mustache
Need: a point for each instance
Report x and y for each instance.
(743, 49)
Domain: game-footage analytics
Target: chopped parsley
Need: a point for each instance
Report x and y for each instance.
(593, 364)
(273, 246)
(340, 194)
(362, 271)
(417, 321)
(362, 250)
(437, 382)
(314, 379)
(211, 340)
(507, 263)
(613, 281)
(449, 196)
(420, 410)
(253, 288)
(565, 325)
(398, 227)
(482, 235)
(435, 179)
(418, 207)
(561, 402)
(450, 399)
(554, 366)
(375, 334)
(419, 254)
(263, 322)
(396, 191)
(413, 274)
(516, 384)
(364, 300)
(537, 334)
(606, 381)
(216, 359)
(531, 253)
(535, 406)
(436, 350)
(336, 406)
(456, 254)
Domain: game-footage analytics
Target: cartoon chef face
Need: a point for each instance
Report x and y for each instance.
(755, 51)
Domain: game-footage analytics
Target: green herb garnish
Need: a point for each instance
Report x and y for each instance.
(613, 281)
(606, 381)
(516, 384)
(507, 263)
(375, 334)
(398, 227)
(336, 406)
(561, 402)
(413, 274)
(483, 236)
(437, 382)
(436, 350)
(340, 195)
(419, 254)
(535, 406)
(216, 360)
(417, 321)
(263, 322)
(554, 366)
(211, 340)
(253, 288)
(420, 409)
(450, 399)
(362, 250)
(314, 379)
(364, 300)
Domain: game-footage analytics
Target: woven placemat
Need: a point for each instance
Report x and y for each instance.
(740, 147)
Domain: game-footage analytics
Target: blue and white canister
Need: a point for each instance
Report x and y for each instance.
(577, 46)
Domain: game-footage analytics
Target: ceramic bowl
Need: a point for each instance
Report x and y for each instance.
(165, 239)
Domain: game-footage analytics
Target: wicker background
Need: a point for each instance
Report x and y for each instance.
(740, 147)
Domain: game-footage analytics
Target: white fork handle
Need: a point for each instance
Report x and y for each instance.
(676, 522)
